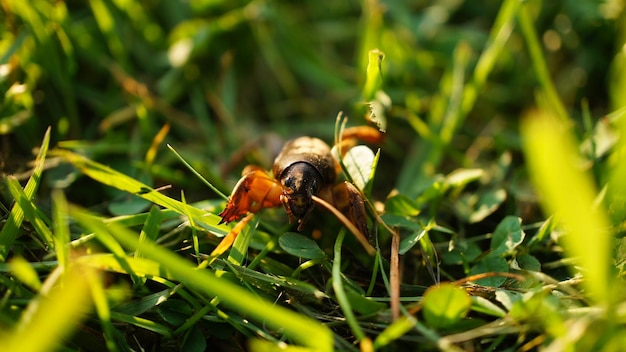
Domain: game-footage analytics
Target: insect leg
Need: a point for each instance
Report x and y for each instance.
(254, 191)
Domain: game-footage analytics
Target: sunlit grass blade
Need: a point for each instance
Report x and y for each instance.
(425, 156)
(340, 291)
(540, 65)
(150, 230)
(372, 28)
(239, 250)
(299, 328)
(498, 36)
(31, 212)
(11, 229)
(116, 179)
(101, 304)
(106, 21)
(204, 180)
(105, 237)
(61, 228)
(64, 301)
(142, 323)
(569, 192)
(142, 267)
(394, 331)
(444, 122)
(24, 272)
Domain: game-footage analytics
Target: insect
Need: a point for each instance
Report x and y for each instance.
(304, 174)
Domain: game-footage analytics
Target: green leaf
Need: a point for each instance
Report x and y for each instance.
(23, 271)
(507, 236)
(408, 242)
(508, 298)
(300, 246)
(485, 306)
(363, 304)
(359, 161)
(374, 74)
(194, 340)
(239, 250)
(445, 305)
(395, 330)
(459, 178)
(528, 262)
(488, 264)
(66, 300)
(475, 207)
(269, 282)
(175, 311)
(399, 204)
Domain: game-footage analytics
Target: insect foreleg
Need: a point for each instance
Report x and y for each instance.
(254, 191)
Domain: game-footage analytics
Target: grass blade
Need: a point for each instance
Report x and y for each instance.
(340, 292)
(64, 302)
(116, 179)
(11, 229)
(552, 160)
(30, 211)
(302, 330)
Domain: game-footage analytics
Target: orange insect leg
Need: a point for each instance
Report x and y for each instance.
(254, 191)
(366, 134)
(352, 135)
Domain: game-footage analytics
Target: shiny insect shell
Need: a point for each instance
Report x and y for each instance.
(304, 167)
(305, 173)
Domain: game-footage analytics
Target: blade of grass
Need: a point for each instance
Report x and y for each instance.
(425, 155)
(552, 160)
(150, 230)
(540, 65)
(340, 292)
(194, 233)
(190, 168)
(113, 178)
(239, 250)
(30, 211)
(498, 36)
(24, 272)
(101, 304)
(65, 303)
(107, 25)
(11, 228)
(142, 323)
(61, 228)
(301, 329)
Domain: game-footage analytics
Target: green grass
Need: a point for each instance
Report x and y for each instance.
(496, 200)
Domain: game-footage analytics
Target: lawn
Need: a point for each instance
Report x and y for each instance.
(493, 192)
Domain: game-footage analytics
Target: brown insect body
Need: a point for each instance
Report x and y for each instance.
(304, 167)
(305, 173)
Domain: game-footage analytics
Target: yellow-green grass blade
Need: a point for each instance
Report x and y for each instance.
(540, 65)
(569, 192)
(300, 329)
(64, 300)
(60, 227)
(340, 291)
(11, 228)
(116, 179)
(30, 211)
